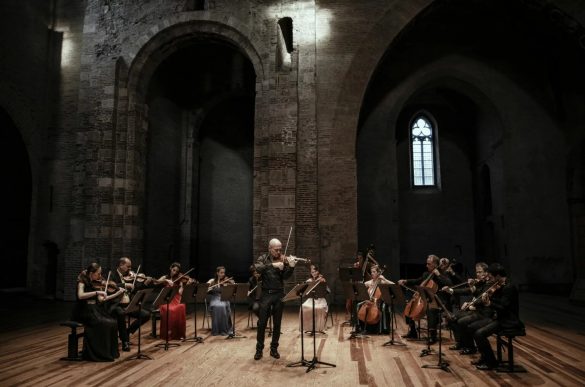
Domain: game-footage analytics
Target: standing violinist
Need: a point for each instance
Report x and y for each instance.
(503, 301)
(116, 308)
(273, 271)
(221, 320)
(440, 280)
(177, 316)
(376, 279)
(321, 307)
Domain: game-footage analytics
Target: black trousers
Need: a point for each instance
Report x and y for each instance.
(482, 329)
(432, 322)
(117, 312)
(270, 303)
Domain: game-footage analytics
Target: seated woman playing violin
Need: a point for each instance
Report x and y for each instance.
(100, 339)
(321, 307)
(221, 322)
(177, 315)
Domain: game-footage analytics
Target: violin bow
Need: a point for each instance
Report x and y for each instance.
(288, 239)
(135, 276)
(184, 274)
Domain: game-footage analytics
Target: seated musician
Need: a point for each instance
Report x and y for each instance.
(221, 321)
(468, 313)
(502, 299)
(100, 338)
(255, 286)
(432, 314)
(374, 293)
(177, 316)
(121, 276)
(321, 307)
(359, 261)
(446, 268)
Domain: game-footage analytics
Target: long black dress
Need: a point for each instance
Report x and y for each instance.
(100, 339)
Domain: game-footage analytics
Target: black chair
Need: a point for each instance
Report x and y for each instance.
(505, 340)
(154, 316)
(73, 353)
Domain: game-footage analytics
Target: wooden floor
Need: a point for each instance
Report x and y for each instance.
(32, 342)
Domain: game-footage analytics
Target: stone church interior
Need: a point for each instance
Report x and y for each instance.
(323, 136)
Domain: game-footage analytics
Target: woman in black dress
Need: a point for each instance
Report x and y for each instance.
(100, 339)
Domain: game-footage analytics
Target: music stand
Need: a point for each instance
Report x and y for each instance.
(319, 290)
(392, 295)
(359, 293)
(293, 294)
(234, 293)
(441, 364)
(429, 298)
(165, 296)
(134, 305)
(195, 293)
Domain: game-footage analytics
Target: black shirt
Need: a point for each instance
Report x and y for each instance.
(272, 278)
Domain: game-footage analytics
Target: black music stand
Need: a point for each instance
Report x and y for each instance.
(293, 294)
(234, 293)
(392, 295)
(441, 364)
(358, 292)
(350, 274)
(315, 291)
(136, 305)
(164, 297)
(429, 297)
(195, 293)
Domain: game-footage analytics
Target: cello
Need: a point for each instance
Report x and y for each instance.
(417, 306)
(369, 311)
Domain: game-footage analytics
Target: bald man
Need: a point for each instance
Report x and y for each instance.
(273, 271)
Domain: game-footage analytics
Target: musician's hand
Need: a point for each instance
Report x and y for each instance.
(129, 286)
(169, 282)
(445, 288)
(471, 281)
(436, 272)
(101, 293)
(402, 282)
(472, 307)
(278, 265)
(485, 298)
(291, 261)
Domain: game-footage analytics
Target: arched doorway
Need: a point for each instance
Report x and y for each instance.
(15, 172)
(199, 159)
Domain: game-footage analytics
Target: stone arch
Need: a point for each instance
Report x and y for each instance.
(161, 41)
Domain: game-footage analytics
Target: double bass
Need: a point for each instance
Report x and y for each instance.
(417, 306)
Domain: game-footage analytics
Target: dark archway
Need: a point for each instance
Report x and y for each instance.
(199, 160)
(15, 173)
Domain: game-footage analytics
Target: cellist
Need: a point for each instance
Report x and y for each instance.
(374, 293)
(440, 280)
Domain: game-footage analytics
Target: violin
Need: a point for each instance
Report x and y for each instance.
(224, 281)
(182, 279)
(487, 293)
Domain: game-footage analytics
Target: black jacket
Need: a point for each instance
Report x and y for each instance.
(272, 278)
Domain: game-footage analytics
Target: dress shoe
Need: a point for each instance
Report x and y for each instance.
(468, 351)
(431, 340)
(456, 347)
(126, 346)
(485, 366)
(478, 361)
(258, 355)
(274, 353)
(410, 335)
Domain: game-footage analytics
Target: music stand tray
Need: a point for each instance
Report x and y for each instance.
(164, 297)
(136, 305)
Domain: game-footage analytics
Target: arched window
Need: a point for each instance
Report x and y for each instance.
(422, 152)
